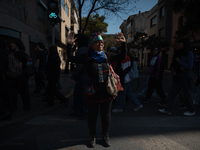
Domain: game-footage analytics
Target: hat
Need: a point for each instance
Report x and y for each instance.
(95, 37)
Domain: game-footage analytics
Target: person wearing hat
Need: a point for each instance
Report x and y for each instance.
(95, 94)
(183, 81)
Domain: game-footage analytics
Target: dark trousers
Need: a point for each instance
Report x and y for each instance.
(5, 96)
(67, 66)
(184, 83)
(105, 111)
(80, 105)
(51, 91)
(20, 86)
(155, 84)
(39, 80)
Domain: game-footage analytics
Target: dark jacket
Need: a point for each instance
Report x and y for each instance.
(91, 68)
(53, 68)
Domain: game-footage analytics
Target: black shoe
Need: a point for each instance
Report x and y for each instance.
(106, 141)
(92, 142)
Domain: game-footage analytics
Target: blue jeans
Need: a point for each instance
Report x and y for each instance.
(122, 96)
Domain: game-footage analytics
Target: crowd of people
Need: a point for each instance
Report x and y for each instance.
(90, 75)
(14, 78)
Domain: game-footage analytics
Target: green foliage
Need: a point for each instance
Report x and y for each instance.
(110, 42)
(190, 10)
(95, 24)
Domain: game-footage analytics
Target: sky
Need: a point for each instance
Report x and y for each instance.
(115, 22)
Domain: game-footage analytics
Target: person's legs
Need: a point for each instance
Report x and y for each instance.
(186, 86)
(16, 88)
(131, 95)
(51, 92)
(121, 97)
(93, 109)
(25, 95)
(105, 110)
(175, 88)
(159, 89)
(151, 86)
(197, 96)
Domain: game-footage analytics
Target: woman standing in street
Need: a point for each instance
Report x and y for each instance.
(96, 94)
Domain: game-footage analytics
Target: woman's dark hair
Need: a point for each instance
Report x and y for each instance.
(187, 46)
(82, 40)
(19, 44)
(41, 45)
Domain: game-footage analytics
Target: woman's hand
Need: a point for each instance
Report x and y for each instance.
(120, 37)
(70, 38)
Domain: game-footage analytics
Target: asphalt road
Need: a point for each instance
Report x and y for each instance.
(146, 129)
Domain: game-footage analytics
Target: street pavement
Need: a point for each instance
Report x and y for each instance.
(45, 128)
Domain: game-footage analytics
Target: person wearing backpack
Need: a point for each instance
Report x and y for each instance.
(123, 68)
(20, 84)
(5, 84)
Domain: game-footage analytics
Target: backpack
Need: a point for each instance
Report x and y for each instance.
(14, 67)
(133, 73)
(29, 70)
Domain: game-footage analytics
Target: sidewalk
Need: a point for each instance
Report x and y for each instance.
(37, 104)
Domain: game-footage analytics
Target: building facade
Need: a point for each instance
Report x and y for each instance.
(27, 20)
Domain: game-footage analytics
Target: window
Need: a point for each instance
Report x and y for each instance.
(41, 13)
(180, 22)
(129, 25)
(63, 4)
(67, 10)
(153, 21)
(161, 32)
(162, 11)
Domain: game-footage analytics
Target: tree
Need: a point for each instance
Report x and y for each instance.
(95, 24)
(190, 10)
(139, 40)
(110, 42)
(115, 7)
